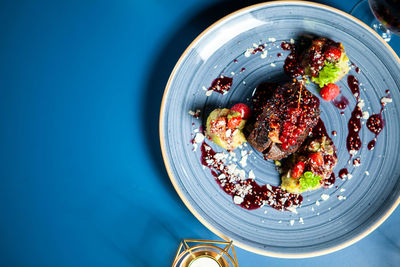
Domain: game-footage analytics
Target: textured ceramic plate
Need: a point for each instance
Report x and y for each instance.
(366, 200)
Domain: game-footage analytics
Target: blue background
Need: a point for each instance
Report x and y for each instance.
(82, 179)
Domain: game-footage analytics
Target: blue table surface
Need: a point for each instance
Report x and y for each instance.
(83, 181)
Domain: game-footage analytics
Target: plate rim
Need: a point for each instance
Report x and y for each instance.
(168, 165)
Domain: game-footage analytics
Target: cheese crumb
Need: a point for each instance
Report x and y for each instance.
(237, 200)
(199, 138)
(251, 174)
(271, 39)
(291, 222)
(301, 220)
(324, 197)
(209, 92)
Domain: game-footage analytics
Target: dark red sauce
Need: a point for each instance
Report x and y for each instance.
(371, 144)
(221, 85)
(235, 61)
(255, 195)
(334, 133)
(354, 86)
(279, 54)
(329, 181)
(376, 123)
(343, 173)
(356, 162)
(357, 69)
(353, 142)
(353, 138)
(292, 63)
(341, 103)
(243, 69)
(260, 48)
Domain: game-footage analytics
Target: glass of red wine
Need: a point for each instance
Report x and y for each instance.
(382, 15)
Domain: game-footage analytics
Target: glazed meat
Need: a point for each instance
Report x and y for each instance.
(286, 120)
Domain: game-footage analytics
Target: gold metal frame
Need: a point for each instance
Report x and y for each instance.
(169, 169)
(192, 249)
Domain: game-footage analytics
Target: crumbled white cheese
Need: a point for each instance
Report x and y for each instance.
(237, 200)
(272, 65)
(365, 115)
(385, 100)
(264, 54)
(349, 176)
(220, 156)
(291, 222)
(341, 197)
(199, 138)
(317, 203)
(243, 161)
(271, 39)
(342, 189)
(209, 92)
(232, 73)
(265, 211)
(292, 41)
(221, 176)
(324, 196)
(361, 104)
(280, 222)
(204, 88)
(366, 172)
(301, 220)
(248, 52)
(251, 174)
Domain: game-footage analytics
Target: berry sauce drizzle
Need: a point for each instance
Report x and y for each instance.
(247, 193)
(375, 123)
(292, 63)
(353, 142)
(341, 103)
(221, 85)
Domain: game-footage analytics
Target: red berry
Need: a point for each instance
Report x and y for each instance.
(292, 141)
(234, 122)
(297, 132)
(285, 146)
(333, 54)
(330, 91)
(298, 169)
(317, 158)
(285, 133)
(243, 109)
(283, 139)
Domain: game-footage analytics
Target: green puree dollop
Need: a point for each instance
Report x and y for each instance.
(309, 180)
(329, 73)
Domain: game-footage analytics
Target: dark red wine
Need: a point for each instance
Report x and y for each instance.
(388, 13)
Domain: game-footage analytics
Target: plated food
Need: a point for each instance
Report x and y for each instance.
(314, 218)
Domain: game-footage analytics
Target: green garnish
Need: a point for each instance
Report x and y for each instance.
(329, 73)
(309, 180)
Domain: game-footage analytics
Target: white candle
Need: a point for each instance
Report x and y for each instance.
(204, 262)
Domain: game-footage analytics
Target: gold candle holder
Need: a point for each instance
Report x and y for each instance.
(205, 253)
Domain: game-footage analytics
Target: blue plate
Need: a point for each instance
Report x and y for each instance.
(355, 206)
